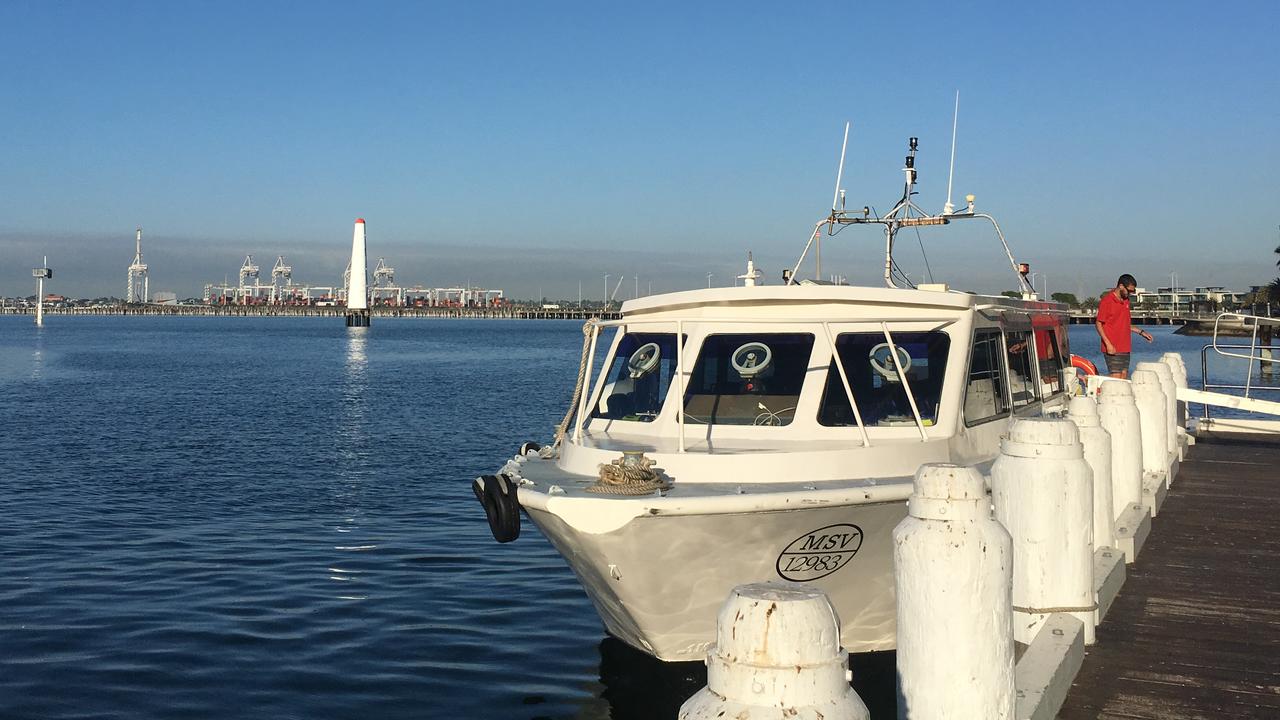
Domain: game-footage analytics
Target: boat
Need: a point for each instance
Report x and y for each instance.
(771, 433)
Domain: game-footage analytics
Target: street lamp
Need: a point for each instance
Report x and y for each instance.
(709, 279)
(606, 289)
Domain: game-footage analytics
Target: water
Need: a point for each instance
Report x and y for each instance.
(272, 517)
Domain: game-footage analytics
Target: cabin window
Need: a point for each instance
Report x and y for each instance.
(1023, 383)
(638, 377)
(880, 394)
(984, 396)
(748, 379)
(1049, 356)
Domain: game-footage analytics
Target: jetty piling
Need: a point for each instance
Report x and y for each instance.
(1042, 490)
(990, 569)
(1149, 397)
(951, 553)
(1083, 411)
(1170, 390)
(777, 654)
(1179, 370)
(1118, 415)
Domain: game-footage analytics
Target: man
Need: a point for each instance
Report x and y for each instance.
(1114, 326)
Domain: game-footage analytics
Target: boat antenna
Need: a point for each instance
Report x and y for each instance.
(835, 196)
(948, 208)
(614, 294)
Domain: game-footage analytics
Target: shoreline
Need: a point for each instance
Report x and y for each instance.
(489, 313)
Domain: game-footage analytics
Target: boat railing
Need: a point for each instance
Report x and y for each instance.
(1257, 353)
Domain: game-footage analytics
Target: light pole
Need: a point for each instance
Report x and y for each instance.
(606, 290)
(1043, 277)
(709, 279)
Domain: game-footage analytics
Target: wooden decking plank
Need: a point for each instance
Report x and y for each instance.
(1195, 633)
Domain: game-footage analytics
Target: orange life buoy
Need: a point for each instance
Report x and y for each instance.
(1083, 364)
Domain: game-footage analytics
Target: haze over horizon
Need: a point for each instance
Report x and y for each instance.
(536, 147)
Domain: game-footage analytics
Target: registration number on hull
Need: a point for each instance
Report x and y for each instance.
(818, 553)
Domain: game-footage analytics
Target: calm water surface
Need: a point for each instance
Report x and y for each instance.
(272, 517)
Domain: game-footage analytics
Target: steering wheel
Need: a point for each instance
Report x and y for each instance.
(644, 360)
(751, 359)
(882, 363)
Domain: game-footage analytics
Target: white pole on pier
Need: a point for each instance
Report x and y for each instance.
(1042, 490)
(777, 654)
(1083, 411)
(1179, 369)
(1152, 407)
(1170, 389)
(1118, 414)
(953, 573)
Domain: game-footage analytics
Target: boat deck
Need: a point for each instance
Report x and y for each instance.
(1195, 632)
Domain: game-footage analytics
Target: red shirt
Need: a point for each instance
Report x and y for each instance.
(1113, 316)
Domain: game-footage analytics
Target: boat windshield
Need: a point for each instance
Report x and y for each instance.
(748, 379)
(1022, 377)
(1049, 356)
(873, 377)
(638, 377)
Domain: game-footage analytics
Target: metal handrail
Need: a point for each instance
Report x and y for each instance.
(1259, 354)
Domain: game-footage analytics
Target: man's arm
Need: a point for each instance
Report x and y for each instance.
(1142, 333)
(1106, 341)
(1103, 316)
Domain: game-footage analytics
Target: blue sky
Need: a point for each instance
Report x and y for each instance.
(534, 145)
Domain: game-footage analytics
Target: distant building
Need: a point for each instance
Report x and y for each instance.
(1177, 300)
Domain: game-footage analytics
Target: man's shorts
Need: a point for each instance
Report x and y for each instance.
(1116, 364)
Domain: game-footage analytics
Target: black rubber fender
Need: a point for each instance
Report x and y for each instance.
(528, 447)
(497, 495)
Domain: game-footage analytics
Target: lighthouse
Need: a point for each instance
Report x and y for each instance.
(357, 292)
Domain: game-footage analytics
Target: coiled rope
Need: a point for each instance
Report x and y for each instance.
(563, 427)
(619, 478)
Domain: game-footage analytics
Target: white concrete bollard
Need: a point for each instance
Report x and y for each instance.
(777, 654)
(953, 574)
(1170, 390)
(1118, 414)
(1179, 368)
(1083, 411)
(1042, 490)
(1152, 409)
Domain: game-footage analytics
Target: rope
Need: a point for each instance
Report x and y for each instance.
(563, 427)
(618, 478)
(1050, 610)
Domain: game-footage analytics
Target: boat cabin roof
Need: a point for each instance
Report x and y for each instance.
(790, 299)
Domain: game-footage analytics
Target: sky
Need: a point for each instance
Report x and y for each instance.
(538, 146)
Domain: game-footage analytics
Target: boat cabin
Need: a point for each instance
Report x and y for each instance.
(819, 367)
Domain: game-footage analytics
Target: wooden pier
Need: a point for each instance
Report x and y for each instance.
(1195, 633)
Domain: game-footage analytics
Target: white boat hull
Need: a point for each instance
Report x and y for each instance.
(658, 581)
